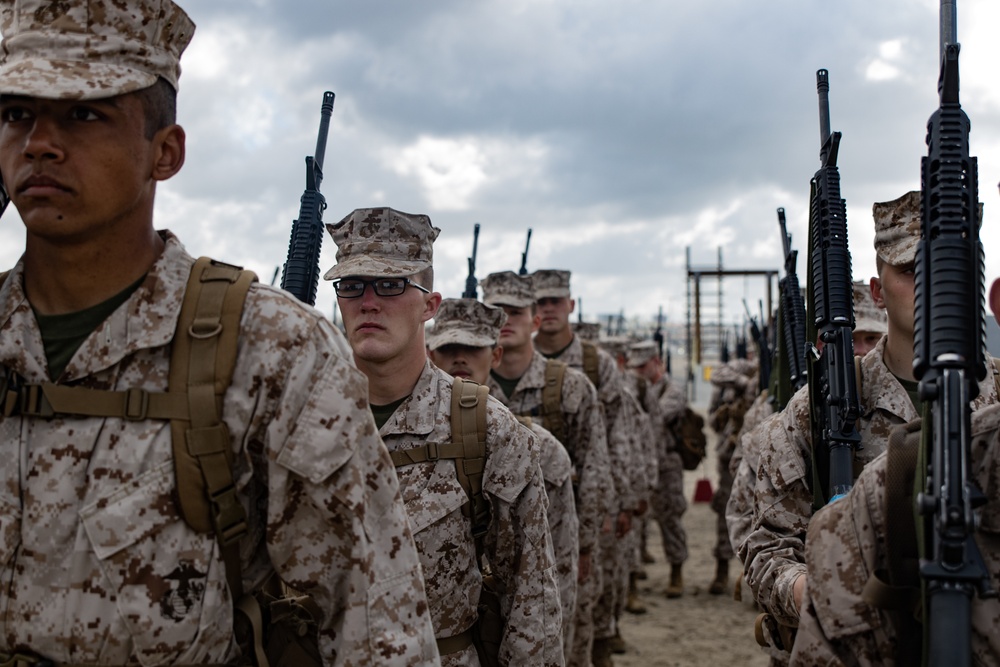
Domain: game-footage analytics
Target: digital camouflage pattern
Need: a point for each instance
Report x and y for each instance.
(845, 546)
(550, 283)
(557, 471)
(506, 288)
(465, 322)
(897, 228)
(585, 439)
(867, 316)
(587, 330)
(517, 545)
(772, 553)
(98, 565)
(90, 50)
(382, 242)
(743, 468)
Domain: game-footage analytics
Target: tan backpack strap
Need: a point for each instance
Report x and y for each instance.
(591, 363)
(468, 429)
(202, 362)
(552, 415)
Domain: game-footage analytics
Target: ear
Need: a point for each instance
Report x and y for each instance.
(536, 321)
(432, 302)
(168, 152)
(497, 356)
(572, 305)
(875, 284)
(995, 299)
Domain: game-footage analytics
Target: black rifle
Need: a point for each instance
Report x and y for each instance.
(470, 281)
(793, 323)
(523, 271)
(658, 334)
(949, 360)
(724, 352)
(763, 349)
(301, 275)
(834, 404)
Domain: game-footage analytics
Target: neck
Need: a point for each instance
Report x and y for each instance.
(88, 272)
(898, 355)
(515, 361)
(547, 343)
(394, 379)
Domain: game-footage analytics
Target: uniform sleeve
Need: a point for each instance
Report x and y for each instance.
(519, 548)
(336, 527)
(594, 487)
(772, 552)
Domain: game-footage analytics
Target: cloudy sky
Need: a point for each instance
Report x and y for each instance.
(620, 132)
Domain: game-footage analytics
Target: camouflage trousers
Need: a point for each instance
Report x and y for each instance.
(723, 547)
(668, 506)
(616, 562)
(630, 563)
(582, 635)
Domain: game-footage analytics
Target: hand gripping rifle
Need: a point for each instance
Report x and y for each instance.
(833, 393)
(792, 324)
(470, 281)
(949, 360)
(523, 271)
(301, 275)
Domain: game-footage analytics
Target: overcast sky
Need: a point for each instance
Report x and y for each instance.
(620, 132)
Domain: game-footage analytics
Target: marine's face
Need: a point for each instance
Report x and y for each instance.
(865, 342)
(893, 290)
(466, 361)
(74, 168)
(516, 331)
(381, 329)
(554, 312)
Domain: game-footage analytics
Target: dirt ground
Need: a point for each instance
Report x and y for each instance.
(698, 628)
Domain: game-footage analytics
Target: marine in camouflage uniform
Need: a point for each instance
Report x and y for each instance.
(384, 249)
(773, 551)
(555, 340)
(733, 392)
(99, 567)
(664, 401)
(580, 422)
(464, 343)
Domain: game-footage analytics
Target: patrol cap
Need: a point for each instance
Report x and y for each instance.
(587, 330)
(897, 229)
(550, 283)
(382, 242)
(90, 49)
(616, 346)
(507, 288)
(640, 353)
(466, 322)
(867, 316)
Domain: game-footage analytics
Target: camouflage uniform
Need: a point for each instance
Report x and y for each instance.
(846, 545)
(585, 439)
(517, 546)
(743, 468)
(99, 565)
(772, 552)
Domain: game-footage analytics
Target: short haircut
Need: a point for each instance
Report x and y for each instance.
(159, 106)
(425, 278)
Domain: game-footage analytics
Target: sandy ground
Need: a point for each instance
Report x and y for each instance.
(698, 628)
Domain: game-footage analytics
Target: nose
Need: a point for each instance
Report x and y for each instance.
(42, 141)
(369, 300)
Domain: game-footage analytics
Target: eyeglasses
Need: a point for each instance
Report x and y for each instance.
(352, 288)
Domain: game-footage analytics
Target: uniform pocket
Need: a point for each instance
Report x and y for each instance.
(170, 588)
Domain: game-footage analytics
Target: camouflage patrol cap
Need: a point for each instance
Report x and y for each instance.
(897, 229)
(616, 346)
(640, 353)
(90, 49)
(382, 242)
(550, 283)
(587, 330)
(507, 288)
(466, 322)
(867, 316)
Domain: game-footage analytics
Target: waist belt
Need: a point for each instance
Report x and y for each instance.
(29, 660)
(446, 645)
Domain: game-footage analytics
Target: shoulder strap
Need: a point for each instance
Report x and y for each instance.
(552, 414)
(591, 365)
(202, 360)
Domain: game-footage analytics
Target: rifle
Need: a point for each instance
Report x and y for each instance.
(523, 271)
(834, 405)
(724, 352)
(658, 334)
(763, 349)
(470, 281)
(949, 360)
(301, 275)
(792, 316)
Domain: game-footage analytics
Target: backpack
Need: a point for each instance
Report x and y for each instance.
(468, 450)
(552, 415)
(691, 440)
(202, 361)
(591, 363)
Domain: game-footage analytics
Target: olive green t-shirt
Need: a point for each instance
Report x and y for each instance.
(912, 390)
(508, 386)
(62, 335)
(383, 412)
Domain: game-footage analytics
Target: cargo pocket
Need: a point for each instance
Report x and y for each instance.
(170, 589)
